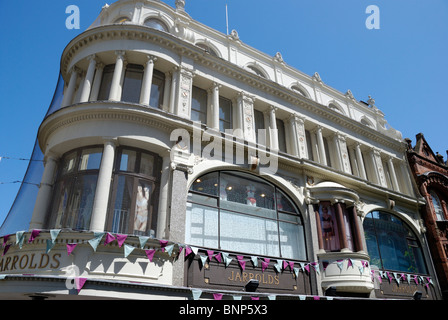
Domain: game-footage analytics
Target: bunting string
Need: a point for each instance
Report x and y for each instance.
(174, 250)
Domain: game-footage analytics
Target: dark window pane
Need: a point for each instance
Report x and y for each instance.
(281, 135)
(199, 105)
(157, 89)
(132, 84)
(106, 82)
(225, 114)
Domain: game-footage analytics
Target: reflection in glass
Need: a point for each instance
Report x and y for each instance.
(392, 244)
(241, 212)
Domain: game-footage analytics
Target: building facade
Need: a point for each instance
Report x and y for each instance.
(180, 163)
(431, 175)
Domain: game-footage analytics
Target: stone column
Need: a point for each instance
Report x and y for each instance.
(172, 105)
(167, 91)
(181, 167)
(213, 94)
(115, 88)
(320, 145)
(273, 133)
(341, 225)
(320, 239)
(68, 95)
(293, 134)
(393, 175)
(359, 158)
(145, 93)
(87, 85)
(97, 82)
(99, 211)
(45, 193)
(162, 228)
(358, 243)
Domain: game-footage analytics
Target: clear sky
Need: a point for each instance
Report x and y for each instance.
(403, 65)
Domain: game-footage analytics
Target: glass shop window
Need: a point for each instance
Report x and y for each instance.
(240, 212)
(392, 245)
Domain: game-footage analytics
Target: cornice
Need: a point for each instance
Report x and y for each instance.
(169, 41)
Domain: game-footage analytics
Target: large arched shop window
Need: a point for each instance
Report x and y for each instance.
(74, 189)
(240, 212)
(392, 245)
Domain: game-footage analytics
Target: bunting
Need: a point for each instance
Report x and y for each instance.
(167, 247)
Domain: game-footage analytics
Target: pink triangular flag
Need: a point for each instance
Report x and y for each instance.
(79, 282)
(242, 264)
(264, 265)
(163, 243)
(415, 279)
(5, 239)
(150, 254)
(71, 247)
(316, 297)
(285, 264)
(254, 298)
(217, 296)
(325, 264)
(218, 257)
(267, 260)
(34, 235)
(349, 263)
(239, 258)
(210, 254)
(121, 238)
(379, 279)
(109, 238)
(291, 265)
(188, 251)
(307, 267)
(6, 250)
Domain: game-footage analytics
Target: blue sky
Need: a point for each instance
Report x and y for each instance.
(402, 65)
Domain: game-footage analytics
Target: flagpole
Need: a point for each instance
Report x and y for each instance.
(227, 20)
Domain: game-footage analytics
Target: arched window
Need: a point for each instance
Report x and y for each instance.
(74, 189)
(134, 196)
(299, 90)
(207, 49)
(255, 70)
(156, 24)
(240, 212)
(392, 245)
(367, 122)
(336, 108)
(437, 206)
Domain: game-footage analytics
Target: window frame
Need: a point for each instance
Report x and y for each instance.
(137, 177)
(412, 241)
(70, 179)
(278, 212)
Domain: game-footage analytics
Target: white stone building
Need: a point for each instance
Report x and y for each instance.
(168, 138)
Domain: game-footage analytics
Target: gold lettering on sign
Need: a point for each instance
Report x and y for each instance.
(262, 278)
(30, 261)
